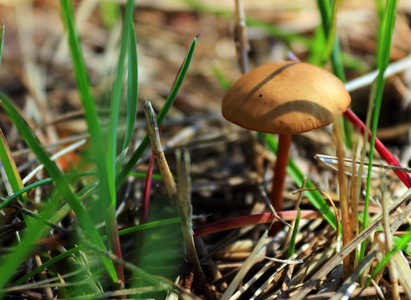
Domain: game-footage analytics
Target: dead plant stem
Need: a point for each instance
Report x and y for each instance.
(388, 241)
(344, 204)
(240, 37)
(158, 151)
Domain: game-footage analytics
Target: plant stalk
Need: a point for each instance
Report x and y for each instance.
(283, 155)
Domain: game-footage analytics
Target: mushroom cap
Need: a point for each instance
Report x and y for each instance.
(285, 97)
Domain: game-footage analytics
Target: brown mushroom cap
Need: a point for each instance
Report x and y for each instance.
(285, 97)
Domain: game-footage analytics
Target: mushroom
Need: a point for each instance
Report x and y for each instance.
(285, 98)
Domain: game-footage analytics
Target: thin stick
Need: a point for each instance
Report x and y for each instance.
(333, 160)
(263, 218)
(344, 204)
(388, 241)
(158, 150)
(47, 290)
(335, 212)
(286, 283)
(354, 198)
(185, 209)
(270, 206)
(240, 37)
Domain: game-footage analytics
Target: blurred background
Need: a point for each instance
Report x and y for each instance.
(36, 64)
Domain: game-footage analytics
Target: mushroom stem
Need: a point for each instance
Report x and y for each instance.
(283, 154)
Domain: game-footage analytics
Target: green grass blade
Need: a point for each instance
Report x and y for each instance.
(325, 12)
(382, 61)
(313, 195)
(87, 100)
(161, 116)
(405, 247)
(132, 86)
(11, 168)
(12, 174)
(329, 22)
(385, 40)
(178, 83)
(106, 172)
(291, 248)
(115, 104)
(328, 25)
(331, 32)
(384, 47)
(337, 61)
(61, 182)
(116, 100)
(317, 47)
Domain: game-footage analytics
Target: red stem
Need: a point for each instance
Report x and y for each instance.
(253, 220)
(147, 188)
(384, 152)
(147, 191)
(264, 218)
(146, 197)
(113, 238)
